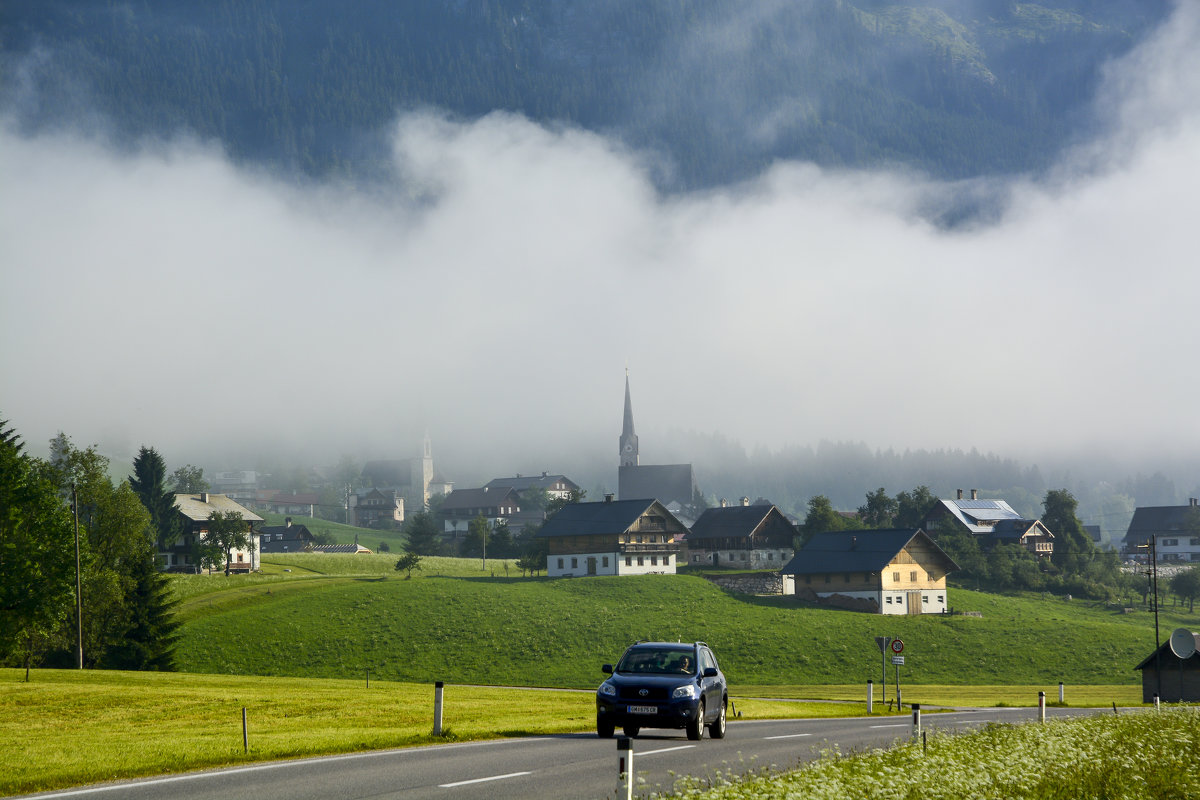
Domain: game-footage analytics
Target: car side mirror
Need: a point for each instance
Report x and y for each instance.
(606, 669)
(710, 672)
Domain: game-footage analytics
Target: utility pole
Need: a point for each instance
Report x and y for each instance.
(1152, 546)
(78, 580)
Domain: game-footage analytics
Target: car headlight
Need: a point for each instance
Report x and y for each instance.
(688, 690)
(608, 689)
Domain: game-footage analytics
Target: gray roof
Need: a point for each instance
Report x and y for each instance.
(733, 522)
(605, 518)
(665, 482)
(1160, 520)
(200, 505)
(857, 551)
(523, 482)
(479, 498)
(339, 548)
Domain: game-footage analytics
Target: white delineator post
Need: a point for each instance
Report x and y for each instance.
(625, 764)
(870, 696)
(437, 708)
(1061, 693)
(916, 707)
(1041, 706)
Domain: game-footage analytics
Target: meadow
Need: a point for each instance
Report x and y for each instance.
(68, 727)
(457, 622)
(1131, 756)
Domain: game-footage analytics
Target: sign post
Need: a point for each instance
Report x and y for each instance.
(897, 647)
(883, 642)
(625, 764)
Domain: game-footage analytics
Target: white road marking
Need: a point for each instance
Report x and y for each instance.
(904, 725)
(788, 736)
(664, 750)
(482, 780)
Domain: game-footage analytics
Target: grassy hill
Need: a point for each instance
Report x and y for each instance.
(466, 626)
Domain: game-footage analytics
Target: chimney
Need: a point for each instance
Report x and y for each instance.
(960, 494)
(1193, 501)
(974, 494)
(724, 502)
(608, 498)
(204, 497)
(287, 522)
(745, 501)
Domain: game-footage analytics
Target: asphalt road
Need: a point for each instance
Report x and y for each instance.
(554, 767)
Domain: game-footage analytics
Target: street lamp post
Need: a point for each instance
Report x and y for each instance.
(1152, 546)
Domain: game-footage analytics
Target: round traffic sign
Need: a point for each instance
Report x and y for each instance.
(897, 646)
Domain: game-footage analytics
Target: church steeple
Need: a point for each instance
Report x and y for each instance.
(629, 439)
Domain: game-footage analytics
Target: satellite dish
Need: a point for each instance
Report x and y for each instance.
(1183, 642)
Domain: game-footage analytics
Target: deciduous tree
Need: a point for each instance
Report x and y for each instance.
(227, 531)
(879, 510)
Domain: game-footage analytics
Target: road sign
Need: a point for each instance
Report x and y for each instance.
(898, 660)
(883, 642)
(897, 646)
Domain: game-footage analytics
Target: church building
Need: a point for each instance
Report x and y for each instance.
(673, 485)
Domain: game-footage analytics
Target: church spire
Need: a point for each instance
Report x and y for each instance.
(629, 439)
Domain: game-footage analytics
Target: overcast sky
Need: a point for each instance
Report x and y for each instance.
(168, 297)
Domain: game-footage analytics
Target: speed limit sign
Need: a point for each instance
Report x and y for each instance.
(897, 646)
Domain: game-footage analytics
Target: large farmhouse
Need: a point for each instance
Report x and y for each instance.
(195, 509)
(741, 537)
(992, 522)
(900, 571)
(1174, 529)
(615, 537)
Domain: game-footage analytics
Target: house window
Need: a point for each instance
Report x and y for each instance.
(924, 599)
(770, 556)
(912, 576)
(666, 561)
(629, 561)
(895, 577)
(1195, 541)
(744, 556)
(560, 563)
(574, 562)
(1170, 542)
(654, 561)
(889, 600)
(641, 562)
(606, 561)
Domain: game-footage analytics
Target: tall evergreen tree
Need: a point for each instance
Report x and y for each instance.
(149, 482)
(422, 535)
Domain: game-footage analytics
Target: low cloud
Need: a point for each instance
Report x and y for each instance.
(495, 298)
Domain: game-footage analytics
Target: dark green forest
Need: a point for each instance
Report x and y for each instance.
(713, 90)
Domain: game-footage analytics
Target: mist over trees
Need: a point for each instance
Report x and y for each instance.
(719, 89)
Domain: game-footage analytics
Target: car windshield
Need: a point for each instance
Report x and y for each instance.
(656, 661)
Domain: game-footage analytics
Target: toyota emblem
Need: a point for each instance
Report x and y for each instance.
(643, 692)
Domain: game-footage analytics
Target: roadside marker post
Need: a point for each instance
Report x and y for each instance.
(1156, 706)
(870, 697)
(1041, 706)
(625, 764)
(245, 733)
(1061, 693)
(437, 708)
(916, 719)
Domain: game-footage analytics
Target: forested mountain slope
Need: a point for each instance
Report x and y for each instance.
(714, 89)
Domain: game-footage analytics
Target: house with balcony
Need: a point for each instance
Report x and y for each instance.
(463, 505)
(376, 508)
(992, 522)
(613, 537)
(900, 571)
(743, 536)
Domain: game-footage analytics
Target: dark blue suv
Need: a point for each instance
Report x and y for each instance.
(663, 685)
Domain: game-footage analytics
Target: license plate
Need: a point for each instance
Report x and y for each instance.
(643, 709)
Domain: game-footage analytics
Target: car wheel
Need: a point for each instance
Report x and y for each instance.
(604, 728)
(695, 729)
(717, 729)
(631, 730)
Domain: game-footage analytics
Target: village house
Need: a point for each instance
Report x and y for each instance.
(286, 538)
(613, 537)
(1175, 530)
(556, 487)
(376, 508)
(741, 537)
(195, 509)
(992, 521)
(899, 571)
(278, 501)
(463, 505)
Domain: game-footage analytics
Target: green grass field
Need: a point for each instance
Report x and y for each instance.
(475, 628)
(65, 727)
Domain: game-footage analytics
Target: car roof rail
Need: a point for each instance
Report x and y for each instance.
(702, 644)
